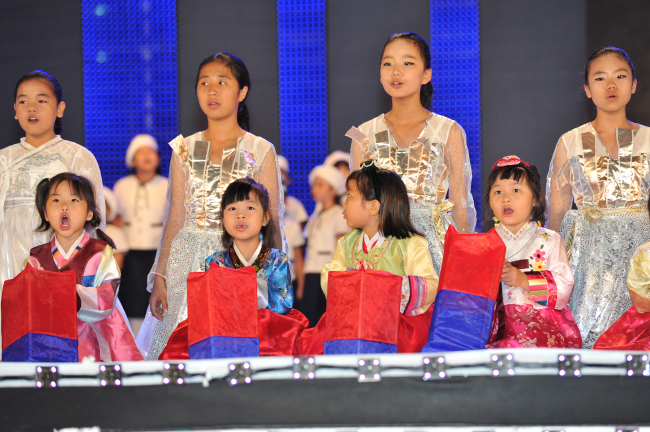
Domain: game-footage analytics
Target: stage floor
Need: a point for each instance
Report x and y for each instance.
(532, 394)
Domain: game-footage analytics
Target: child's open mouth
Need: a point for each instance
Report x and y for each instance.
(241, 227)
(65, 222)
(508, 211)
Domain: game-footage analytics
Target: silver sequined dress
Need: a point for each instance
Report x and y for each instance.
(192, 229)
(611, 221)
(434, 164)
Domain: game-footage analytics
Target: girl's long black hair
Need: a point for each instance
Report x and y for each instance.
(79, 185)
(388, 188)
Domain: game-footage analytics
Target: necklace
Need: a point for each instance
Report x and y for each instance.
(37, 150)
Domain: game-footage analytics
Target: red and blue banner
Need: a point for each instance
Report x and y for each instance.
(222, 306)
(39, 317)
(470, 280)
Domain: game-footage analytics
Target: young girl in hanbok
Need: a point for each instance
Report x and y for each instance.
(602, 166)
(202, 166)
(246, 241)
(66, 204)
(42, 153)
(383, 238)
(536, 277)
(428, 151)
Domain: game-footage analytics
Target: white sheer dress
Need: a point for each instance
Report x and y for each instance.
(192, 230)
(610, 223)
(434, 165)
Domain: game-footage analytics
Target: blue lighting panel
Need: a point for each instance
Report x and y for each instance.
(302, 63)
(130, 78)
(455, 52)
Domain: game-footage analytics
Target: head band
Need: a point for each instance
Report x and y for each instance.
(370, 166)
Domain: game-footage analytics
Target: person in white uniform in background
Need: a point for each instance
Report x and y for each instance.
(326, 225)
(339, 160)
(141, 198)
(114, 229)
(293, 207)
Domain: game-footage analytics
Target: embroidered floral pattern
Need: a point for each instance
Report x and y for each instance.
(539, 265)
(363, 263)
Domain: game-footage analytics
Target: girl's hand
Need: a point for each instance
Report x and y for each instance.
(513, 277)
(158, 298)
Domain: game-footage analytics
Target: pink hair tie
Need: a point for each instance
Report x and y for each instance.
(509, 161)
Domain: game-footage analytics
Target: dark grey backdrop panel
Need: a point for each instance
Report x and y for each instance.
(532, 55)
(41, 34)
(623, 24)
(356, 32)
(247, 29)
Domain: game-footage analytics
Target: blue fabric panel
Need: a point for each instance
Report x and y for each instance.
(225, 347)
(36, 347)
(459, 322)
(358, 346)
(88, 280)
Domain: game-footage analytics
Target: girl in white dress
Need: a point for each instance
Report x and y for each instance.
(202, 167)
(42, 153)
(602, 166)
(428, 151)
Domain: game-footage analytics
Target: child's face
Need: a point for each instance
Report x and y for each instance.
(402, 71)
(358, 212)
(610, 83)
(218, 91)
(66, 212)
(146, 159)
(321, 191)
(511, 202)
(36, 110)
(244, 220)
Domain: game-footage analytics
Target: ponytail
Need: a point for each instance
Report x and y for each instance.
(426, 94)
(243, 118)
(103, 236)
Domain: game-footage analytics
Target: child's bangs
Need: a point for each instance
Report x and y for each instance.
(513, 173)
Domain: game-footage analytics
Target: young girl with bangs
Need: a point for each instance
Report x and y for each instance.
(202, 167)
(602, 167)
(428, 151)
(536, 279)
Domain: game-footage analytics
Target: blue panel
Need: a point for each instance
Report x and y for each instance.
(358, 346)
(302, 63)
(225, 347)
(36, 347)
(130, 78)
(459, 322)
(455, 58)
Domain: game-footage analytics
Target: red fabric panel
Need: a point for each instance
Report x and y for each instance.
(312, 340)
(630, 332)
(414, 331)
(222, 302)
(39, 301)
(363, 304)
(278, 334)
(472, 263)
(177, 347)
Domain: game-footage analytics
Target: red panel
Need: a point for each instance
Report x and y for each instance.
(363, 304)
(472, 263)
(222, 302)
(39, 301)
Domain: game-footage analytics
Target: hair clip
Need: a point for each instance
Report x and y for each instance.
(539, 224)
(509, 161)
(367, 163)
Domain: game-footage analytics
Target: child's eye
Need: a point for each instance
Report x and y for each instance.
(42, 101)
(517, 190)
(622, 76)
(231, 208)
(598, 79)
(75, 199)
(388, 64)
(222, 83)
(250, 208)
(408, 63)
(498, 192)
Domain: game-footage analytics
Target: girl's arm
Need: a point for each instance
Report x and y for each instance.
(460, 181)
(269, 176)
(552, 287)
(638, 280)
(299, 253)
(174, 221)
(420, 284)
(558, 189)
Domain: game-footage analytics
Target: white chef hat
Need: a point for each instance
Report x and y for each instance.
(283, 163)
(336, 157)
(111, 202)
(139, 141)
(331, 175)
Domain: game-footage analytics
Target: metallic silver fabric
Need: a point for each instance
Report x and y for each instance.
(422, 218)
(600, 260)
